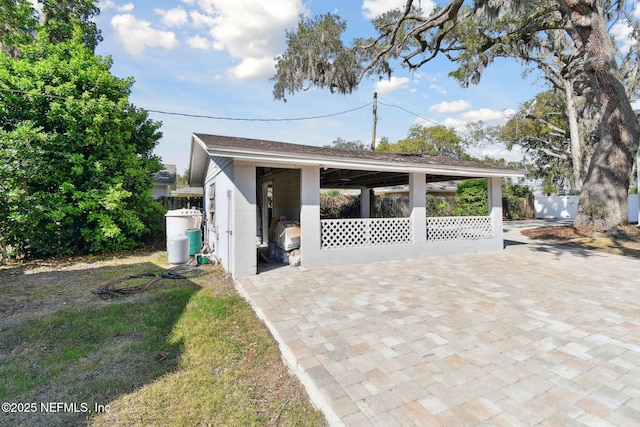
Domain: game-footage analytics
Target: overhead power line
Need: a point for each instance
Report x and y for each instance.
(412, 113)
(42, 95)
(253, 119)
(200, 116)
(246, 119)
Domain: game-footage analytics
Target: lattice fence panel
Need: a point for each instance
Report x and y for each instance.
(389, 231)
(346, 233)
(459, 228)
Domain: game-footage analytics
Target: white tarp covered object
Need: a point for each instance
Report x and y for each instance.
(287, 235)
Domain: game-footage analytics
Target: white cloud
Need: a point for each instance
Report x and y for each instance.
(373, 8)
(103, 4)
(392, 85)
(508, 113)
(199, 42)
(208, 6)
(254, 28)
(251, 31)
(486, 114)
(495, 152)
(200, 20)
(621, 32)
(110, 4)
(457, 124)
(126, 8)
(450, 107)
(438, 89)
(136, 35)
(176, 17)
(251, 68)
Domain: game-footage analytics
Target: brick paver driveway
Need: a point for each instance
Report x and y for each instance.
(535, 334)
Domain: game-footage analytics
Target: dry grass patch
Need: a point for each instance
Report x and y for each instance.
(621, 240)
(189, 352)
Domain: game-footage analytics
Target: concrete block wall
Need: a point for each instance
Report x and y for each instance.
(219, 178)
(310, 216)
(494, 187)
(286, 194)
(244, 260)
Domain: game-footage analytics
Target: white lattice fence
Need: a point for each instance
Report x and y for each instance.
(346, 233)
(459, 228)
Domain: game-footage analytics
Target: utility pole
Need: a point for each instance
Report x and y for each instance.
(375, 121)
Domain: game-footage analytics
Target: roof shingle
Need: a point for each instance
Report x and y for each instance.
(330, 152)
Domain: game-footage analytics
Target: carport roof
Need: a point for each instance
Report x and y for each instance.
(345, 166)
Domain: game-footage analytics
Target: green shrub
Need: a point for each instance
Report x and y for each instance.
(517, 201)
(440, 205)
(472, 198)
(336, 206)
(75, 166)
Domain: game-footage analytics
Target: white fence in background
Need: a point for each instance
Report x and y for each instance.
(459, 228)
(556, 206)
(633, 207)
(354, 232)
(567, 207)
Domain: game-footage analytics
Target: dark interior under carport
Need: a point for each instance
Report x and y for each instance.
(355, 179)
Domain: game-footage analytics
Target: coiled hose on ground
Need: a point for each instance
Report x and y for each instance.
(113, 288)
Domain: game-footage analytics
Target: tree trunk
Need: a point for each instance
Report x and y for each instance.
(603, 199)
(574, 137)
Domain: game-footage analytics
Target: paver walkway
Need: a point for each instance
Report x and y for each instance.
(533, 335)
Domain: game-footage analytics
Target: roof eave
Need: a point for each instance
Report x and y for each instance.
(197, 162)
(365, 164)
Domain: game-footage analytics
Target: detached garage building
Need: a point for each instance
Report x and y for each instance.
(248, 182)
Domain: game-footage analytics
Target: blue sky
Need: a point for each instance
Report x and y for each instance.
(215, 58)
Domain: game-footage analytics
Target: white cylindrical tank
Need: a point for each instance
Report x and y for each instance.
(178, 250)
(180, 220)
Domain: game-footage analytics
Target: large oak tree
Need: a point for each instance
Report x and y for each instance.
(317, 55)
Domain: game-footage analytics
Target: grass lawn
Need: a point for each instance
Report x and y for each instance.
(186, 352)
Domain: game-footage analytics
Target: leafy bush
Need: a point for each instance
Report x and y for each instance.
(441, 205)
(386, 207)
(517, 190)
(472, 198)
(336, 206)
(76, 157)
(517, 201)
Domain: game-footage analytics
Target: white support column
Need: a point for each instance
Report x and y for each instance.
(365, 203)
(494, 186)
(310, 214)
(417, 206)
(244, 260)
